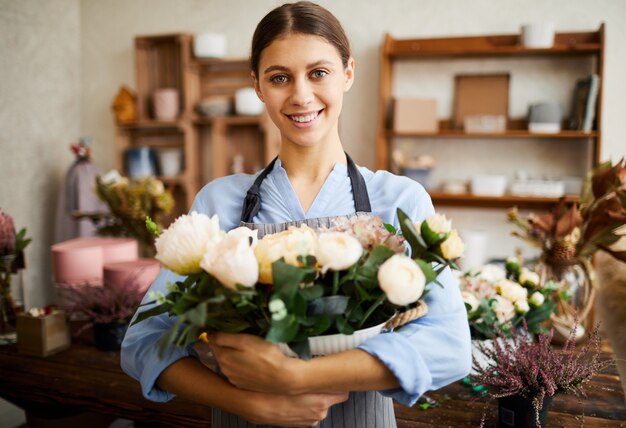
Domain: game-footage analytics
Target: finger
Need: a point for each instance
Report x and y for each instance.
(237, 341)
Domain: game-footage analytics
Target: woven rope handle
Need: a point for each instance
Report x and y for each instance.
(402, 318)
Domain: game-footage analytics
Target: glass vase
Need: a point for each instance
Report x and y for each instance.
(7, 306)
(576, 289)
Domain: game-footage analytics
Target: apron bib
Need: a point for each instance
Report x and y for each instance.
(362, 409)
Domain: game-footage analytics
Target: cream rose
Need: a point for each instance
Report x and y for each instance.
(182, 246)
(492, 273)
(504, 309)
(536, 299)
(521, 307)
(438, 223)
(337, 251)
(511, 291)
(453, 247)
(470, 300)
(232, 262)
(401, 279)
(529, 278)
(244, 232)
(289, 244)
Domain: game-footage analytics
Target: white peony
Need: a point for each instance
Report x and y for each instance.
(511, 290)
(438, 223)
(529, 278)
(536, 299)
(289, 244)
(182, 246)
(453, 247)
(245, 232)
(492, 273)
(232, 262)
(471, 300)
(337, 251)
(521, 307)
(401, 279)
(504, 309)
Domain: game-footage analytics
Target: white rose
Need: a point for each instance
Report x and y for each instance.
(529, 277)
(504, 309)
(438, 223)
(232, 262)
(511, 290)
(337, 251)
(453, 247)
(289, 244)
(245, 232)
(182, 246)
(471, 300)
(401, 279)
(536, 299)
(521, 307)
(492, 273)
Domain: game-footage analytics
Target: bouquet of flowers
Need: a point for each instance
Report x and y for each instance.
(299, 283)
(129, 202)
(497, 299)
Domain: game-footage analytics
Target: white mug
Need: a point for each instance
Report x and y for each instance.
(538, 35)
(166, 104)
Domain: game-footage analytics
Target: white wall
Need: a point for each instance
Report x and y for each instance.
(58, 55)
(39, 117)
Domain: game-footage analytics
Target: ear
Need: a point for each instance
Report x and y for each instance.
(349, 73)
(257, 87)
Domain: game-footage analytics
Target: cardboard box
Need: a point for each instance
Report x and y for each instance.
(43, 336)
(480, 94)
(415, 115)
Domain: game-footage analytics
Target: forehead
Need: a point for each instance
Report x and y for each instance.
(295, 50)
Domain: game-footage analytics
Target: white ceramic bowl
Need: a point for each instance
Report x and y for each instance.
(247, 102)
(333, 343)
(209, 45)
(488, 185)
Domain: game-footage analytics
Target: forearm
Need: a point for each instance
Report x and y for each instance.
(353, 370)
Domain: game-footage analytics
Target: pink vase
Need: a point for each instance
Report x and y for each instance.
(166, 104)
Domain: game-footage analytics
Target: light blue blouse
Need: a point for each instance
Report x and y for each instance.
(426, 354)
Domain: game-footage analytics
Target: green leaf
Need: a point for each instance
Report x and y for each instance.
(197, 316)
(311, 293)
(301, 348)
(320, 325)
(390, 228)
(428, 270)
(157, 310)
(342, 325)
(283, 331)
(432, 238)
(287, 280)
(416, 242)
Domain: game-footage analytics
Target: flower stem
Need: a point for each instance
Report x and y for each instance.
(372, 308)
(335, 283)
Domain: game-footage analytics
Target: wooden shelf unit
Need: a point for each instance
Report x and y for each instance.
(166, 61)
(569, 44)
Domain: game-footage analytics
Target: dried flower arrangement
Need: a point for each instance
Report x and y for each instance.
(535, 370)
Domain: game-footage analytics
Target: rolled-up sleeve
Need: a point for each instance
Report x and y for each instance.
(430, 352)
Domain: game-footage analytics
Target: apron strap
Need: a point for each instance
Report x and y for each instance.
(252, 201)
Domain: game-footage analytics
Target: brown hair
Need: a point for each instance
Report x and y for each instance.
(302, 17)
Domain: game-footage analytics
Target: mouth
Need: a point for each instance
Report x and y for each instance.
(304, 119)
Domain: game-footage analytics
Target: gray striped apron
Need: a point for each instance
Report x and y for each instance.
(362, 409)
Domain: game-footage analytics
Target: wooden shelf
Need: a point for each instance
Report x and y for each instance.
(228, 120)
(509, 133)
(505, 201)
(154, 124)
(178, 180)
(221, 62)
(583, 43)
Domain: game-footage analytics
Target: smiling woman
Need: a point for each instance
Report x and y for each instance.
(301, 67)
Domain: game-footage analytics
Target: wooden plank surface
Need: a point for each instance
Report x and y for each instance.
(88, 379)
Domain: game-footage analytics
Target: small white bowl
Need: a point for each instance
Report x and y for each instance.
(488, 185)
(209, 45)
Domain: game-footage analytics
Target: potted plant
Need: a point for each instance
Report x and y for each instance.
(12, 245)
(570, 235)
(107, 308)
(524, 375)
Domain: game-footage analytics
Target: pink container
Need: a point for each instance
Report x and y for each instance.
(81, 260)
(166, 104)
(141, 271)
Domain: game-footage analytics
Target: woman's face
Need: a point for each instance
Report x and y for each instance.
(302, 81)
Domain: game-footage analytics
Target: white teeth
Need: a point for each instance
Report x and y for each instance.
(302, 119)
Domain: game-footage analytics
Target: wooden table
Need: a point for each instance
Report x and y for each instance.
(87, 379)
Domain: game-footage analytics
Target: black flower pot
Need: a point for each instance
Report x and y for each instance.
(517, 411)
(109, 336)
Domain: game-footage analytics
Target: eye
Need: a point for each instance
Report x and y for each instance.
(278, 79)
(319, 74)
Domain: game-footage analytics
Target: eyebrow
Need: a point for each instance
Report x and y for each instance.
(283, 68)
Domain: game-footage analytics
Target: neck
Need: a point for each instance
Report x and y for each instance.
(311, 164)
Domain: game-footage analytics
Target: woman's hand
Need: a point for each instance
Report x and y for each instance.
(302, 410)
(249, 362)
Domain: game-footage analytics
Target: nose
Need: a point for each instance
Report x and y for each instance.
(302, 93)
